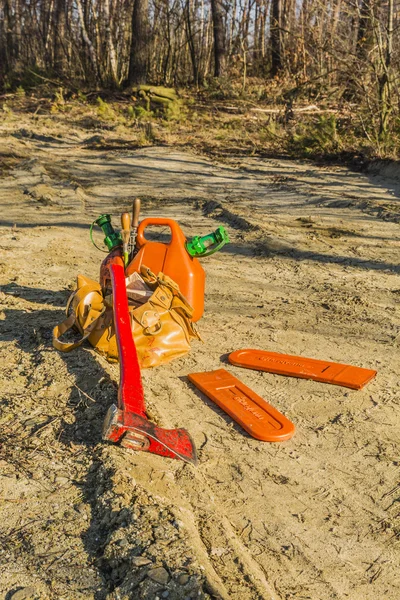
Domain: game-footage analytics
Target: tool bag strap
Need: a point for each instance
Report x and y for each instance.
(167, 295)
(65, 326)
(82, 296)
(162, 280)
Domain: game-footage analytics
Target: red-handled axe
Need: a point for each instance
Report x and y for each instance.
(128, 423)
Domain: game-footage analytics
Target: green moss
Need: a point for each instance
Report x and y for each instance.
(157, 101)
(58, 104)
(139, 112)
(104, 110)
(320, 136)
(81, 96)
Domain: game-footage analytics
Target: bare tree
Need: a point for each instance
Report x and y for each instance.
(89, 44)
(59, 35)
(349, 46)
(365, 33)
(110, 44)
(385, 80)
(219, 38)
(138, 60)
(276, 38)
(191, 41)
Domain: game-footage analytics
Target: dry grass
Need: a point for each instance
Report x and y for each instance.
(218, 122)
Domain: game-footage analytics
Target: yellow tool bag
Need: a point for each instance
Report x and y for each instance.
(161, 326)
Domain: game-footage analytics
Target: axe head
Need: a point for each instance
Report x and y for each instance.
(138, 433)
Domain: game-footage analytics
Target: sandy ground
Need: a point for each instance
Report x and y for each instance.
(313, 269)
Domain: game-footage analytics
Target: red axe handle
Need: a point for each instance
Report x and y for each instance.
(128, 423)
(130, 393)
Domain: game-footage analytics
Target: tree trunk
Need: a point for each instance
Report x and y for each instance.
(385, 82)
(8, 28)
(232, 28)
(365, 34)
(110, 44)
(18, 28)
(276, 38)
(219, 38)
(59, 37)
(335, 19)
(138, 63)
(5, 65)
(192, 49)
(92, 52)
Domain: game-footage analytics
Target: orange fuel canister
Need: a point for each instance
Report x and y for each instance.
(173, 260)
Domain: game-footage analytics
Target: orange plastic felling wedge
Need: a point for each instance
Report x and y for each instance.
(261, 420)
(306, 368)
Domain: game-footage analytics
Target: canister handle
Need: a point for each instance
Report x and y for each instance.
(176, 232)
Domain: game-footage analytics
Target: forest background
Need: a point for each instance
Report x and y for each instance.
(315, 78)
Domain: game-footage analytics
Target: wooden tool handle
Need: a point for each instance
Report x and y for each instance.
(135, 212)
(125, 233)
(126, 221)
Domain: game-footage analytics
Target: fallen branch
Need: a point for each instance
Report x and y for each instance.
(301, 109)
